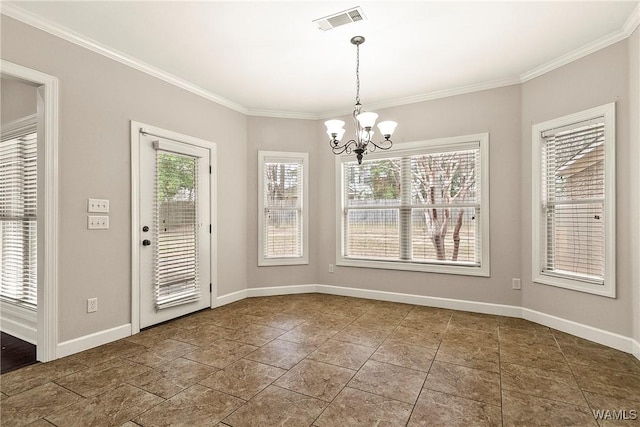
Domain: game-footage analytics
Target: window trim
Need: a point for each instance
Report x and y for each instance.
(538, 239)
(413, 148)
(303, 158)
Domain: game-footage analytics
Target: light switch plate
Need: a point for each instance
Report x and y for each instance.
(97, 222)
(98, 206)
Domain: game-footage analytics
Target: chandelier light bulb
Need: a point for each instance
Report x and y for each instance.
(367, 120)
(387, 127)
(334, 126)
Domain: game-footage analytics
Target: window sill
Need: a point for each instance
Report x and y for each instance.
(463, 270)
(605, 290)
(273, 262)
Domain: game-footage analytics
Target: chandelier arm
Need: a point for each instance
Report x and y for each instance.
(342, 147)
(383, 145)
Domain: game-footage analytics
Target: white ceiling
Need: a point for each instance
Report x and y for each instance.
(268, 58)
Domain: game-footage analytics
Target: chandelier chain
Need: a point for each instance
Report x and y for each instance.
(357, 75)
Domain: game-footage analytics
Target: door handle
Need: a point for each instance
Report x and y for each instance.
(146, 242)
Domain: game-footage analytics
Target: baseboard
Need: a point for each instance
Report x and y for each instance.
(86, 342)
(19, 322)
(450, 303)
(232, 297)
(635, 348)
(281, 290)
(590, 333)
(600, 336)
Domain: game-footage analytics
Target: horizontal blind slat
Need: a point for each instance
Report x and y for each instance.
(176, 276)
(18, 218)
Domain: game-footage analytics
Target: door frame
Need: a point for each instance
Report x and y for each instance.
(47, 323)
(136, 129)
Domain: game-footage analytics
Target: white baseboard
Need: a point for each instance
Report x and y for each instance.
(86, 342)
(19, 322)
(453, 304)
(610, 339)
(281, 290)
(635, 348)
(232, 297)
(590, 333)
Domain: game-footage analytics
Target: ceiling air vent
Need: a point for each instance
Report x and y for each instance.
(340, 18)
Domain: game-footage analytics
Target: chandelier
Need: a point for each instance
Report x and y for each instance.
(364, 122)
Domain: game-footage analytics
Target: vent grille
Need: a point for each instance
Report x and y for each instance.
(340, 18)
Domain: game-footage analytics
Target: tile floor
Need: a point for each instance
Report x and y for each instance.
(323, 360)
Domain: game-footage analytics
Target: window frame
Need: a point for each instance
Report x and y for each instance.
(539, 229)
(294, 157)
(417, 148)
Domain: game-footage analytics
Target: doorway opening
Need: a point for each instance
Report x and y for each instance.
(28, 211)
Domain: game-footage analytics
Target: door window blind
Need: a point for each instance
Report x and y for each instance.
(282, 195)
(573, 200)
(18, 218)
(176, 230)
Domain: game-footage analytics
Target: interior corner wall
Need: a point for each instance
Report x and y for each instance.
(634, 134)
(596, 79)
(98, 98)
(279, 134)
(495, 111)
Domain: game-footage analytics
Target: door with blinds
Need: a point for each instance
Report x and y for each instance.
(175, 222)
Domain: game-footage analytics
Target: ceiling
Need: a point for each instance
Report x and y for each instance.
(268, 58)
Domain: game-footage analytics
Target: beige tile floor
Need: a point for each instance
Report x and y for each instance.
(323, 360)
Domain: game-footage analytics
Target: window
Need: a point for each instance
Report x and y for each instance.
(176, 227)
(574, 201)
(283, 208)
(421, 206)
(18, 216)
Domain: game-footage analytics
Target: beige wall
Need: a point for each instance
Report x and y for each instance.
(634, 134)
(19, 99)
(270, 134)
(98, 98)
(494, 111)
(594, 80)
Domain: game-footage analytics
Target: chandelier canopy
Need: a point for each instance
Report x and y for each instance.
(363, 121)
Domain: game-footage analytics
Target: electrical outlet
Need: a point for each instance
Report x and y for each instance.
(330, 268)
(97, 222)
(98, 205)
(92, 305)
(515, 284)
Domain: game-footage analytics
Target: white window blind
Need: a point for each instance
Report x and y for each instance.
(573, 199)
(18, 217)
(282, 208)
(176, 230)
(418, 208)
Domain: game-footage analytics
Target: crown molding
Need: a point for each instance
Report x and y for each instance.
(282, 114)
(430, 96)
(628, 28)
(33, 20)
(633, 21)
(57, 30)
